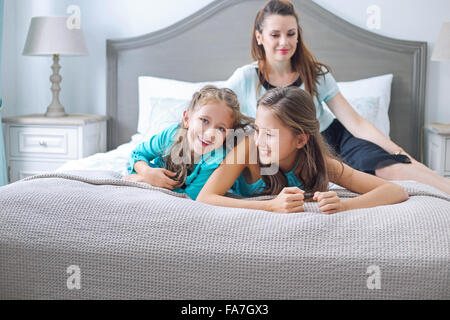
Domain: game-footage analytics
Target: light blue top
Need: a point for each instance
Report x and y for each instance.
(244, 82)
(245, 189)
(156, 150)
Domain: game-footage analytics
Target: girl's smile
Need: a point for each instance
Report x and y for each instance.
(207, 126)
(205, 143)
(275, 141)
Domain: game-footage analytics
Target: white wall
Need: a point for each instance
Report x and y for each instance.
(416, 20)
(25, 80)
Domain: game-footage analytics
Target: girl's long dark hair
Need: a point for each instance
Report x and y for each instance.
(295, 108)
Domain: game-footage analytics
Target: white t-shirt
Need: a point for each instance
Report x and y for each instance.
(244, 82)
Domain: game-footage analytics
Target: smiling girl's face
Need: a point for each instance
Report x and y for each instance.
(276, 142)
(278, 37)
(207, 126)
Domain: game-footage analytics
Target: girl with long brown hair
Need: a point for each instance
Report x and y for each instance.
(282, 59)
(183, 156)
(290, 142)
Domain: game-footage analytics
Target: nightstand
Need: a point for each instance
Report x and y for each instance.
(37, 144)
(437, 147)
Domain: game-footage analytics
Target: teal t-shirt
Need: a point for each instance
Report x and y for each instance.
(244, 82)
(245, 189)
(155, 150)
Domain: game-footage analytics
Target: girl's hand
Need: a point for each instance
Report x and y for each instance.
(290, 199)
(328, 202)
(157, 177)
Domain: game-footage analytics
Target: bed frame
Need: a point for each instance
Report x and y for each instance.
(211, 43)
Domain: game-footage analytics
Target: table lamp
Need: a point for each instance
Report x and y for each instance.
(442, 50)
(53, 36)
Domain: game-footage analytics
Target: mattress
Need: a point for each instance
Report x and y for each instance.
(91, 235)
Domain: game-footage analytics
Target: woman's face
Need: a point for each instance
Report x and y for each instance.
(275, 141)
(279, 37)
(207, 126)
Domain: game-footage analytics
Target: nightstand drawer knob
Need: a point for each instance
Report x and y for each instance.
(43, 143)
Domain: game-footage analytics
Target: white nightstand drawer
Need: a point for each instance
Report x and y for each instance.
(37, 144)
(44, 142)
(22, 169)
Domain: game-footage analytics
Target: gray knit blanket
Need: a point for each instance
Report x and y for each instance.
(91, 235)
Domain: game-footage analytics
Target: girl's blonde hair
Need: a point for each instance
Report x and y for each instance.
(295, 108)
(206, 95)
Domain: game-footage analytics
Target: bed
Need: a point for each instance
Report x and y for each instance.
(84, 233)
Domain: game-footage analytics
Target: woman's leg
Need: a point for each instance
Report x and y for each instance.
(414, 171)
(366, 156)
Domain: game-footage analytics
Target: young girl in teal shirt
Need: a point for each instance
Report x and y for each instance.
(291, 159)
(183, 156)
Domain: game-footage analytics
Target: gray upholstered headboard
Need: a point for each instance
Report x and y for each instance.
(213, 42)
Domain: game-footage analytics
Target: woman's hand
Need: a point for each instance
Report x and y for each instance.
(157, 177)
(290, 199)
(328, 202)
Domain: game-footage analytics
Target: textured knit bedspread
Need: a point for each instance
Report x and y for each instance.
(89, 235)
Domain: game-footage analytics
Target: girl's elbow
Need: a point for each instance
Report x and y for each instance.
(405, 195)
(203, 197)
(400, 191)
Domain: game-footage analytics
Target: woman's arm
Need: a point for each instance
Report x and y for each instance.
(374, 191)
(358, 126)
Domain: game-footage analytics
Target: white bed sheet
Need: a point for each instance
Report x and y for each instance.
(115, 160)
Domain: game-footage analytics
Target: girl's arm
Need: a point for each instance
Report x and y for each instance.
(289, 200)
(374, 191)
(157, 177)
(149, 150)
(224, 177)
(139, 167)
(358, 126)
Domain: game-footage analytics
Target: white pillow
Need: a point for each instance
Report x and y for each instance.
(164, 113)
(368, 108)
(168, 95)
(362, 91)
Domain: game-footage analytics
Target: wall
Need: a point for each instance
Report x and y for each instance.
(26, 85)
(416, 20)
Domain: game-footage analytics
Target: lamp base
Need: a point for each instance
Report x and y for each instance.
(55, 109)
(55, 112)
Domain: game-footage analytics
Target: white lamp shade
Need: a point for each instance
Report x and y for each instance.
(51, 35)
(442, 50)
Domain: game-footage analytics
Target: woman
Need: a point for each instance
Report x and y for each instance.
(281, 60)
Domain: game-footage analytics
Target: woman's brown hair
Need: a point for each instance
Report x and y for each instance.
(180, 148)
(302, 61)
(295, 108)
